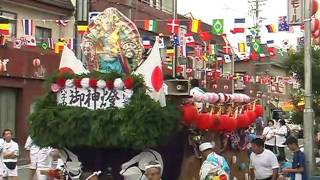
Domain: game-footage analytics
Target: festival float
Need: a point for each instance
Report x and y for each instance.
(116, 108)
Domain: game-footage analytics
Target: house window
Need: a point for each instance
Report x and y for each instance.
(42, 34)
(8, 108)
(11, 18)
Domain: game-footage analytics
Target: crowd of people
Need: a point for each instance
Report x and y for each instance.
(266, 149)
(42, 160)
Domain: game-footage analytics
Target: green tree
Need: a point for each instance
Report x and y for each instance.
(295, 64)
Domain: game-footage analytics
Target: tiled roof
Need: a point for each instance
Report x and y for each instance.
(66, 4)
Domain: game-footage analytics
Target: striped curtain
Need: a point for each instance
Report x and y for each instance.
(8, 108)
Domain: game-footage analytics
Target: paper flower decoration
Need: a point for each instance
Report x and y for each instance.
(55, 87)
(118, 83)
(93, 83)
(101, 84)
(110, 84)
(129, 83)
(69, 83)
(85, 83)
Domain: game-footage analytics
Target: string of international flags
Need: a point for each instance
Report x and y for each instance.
(173, 27)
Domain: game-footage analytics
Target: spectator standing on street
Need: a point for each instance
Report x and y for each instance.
(1, 149)
(281, 135)
(298, 170)
(269, 136)
(263, 163)
(39, 159)
(10, 155)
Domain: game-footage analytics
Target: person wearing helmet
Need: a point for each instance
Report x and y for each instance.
(153, 170)
(213, 164)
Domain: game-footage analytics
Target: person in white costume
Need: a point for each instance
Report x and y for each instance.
(39, 159)
(10, 153)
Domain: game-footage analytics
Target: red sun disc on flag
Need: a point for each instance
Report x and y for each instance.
(157, 78)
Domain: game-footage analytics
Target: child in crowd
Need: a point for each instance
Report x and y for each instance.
(284, 164)
(298, 170)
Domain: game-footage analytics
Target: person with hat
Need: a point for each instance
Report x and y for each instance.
(298, 170)
(213, 163)
(153, 170)
(263, 162)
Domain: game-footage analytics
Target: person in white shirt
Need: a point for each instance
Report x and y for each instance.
(281, 135)
(10, 155)
(263, 163)
(268, 135)
(1, 148)
(39, 159)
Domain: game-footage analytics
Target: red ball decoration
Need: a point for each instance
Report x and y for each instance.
(190, 113)
(259, 110)
(128, 83)
(93, 83)
(77, 83)
(109, 84)
(315, 7)
(61, 82)
(204, 121)
(65, 70)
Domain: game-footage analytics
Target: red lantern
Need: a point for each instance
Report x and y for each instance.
(36, 62)
(190, 113)
(216, 122)
(316, 34)
(259, 110)
(315, 7)
(251, 116)
(231, 124)
(315, 24)
(224, 119)
(242, 121)
(204, 121)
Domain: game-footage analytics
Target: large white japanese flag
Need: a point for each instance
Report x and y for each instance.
(69, 60)
(151, 69)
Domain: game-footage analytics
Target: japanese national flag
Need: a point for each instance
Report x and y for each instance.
(151, 69)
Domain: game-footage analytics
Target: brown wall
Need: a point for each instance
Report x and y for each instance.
(21, 75)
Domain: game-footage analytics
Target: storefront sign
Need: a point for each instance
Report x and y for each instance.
(94, 98)
(295, 12)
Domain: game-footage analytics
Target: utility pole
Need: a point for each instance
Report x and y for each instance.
(174, 61)
(308, 113)
(81, 16)
(255, 10)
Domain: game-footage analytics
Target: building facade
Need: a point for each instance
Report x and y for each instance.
(24, 69)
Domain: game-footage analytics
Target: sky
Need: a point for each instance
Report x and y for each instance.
(206, 10)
